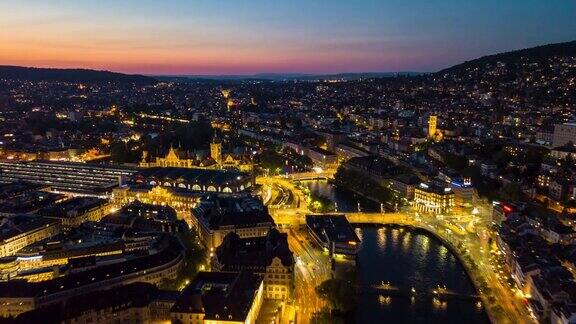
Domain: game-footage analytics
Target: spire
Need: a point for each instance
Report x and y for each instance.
(215, 138)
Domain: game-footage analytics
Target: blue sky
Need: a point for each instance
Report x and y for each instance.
(243, 37)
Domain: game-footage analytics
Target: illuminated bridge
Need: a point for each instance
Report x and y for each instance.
(312, 175)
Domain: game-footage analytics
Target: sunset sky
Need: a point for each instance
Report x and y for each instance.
(245, 37)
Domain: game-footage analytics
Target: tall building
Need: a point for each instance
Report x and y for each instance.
(216, 149)
(432, 123)
(564, 133)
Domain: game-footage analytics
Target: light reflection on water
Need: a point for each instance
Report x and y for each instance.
(408, 258)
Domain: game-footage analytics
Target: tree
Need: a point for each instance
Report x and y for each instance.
(364, 185)
(119, 152)
(340, 294)
(271, 160)
(321, 204)
(195, 255)
(324, 316)
(511, 192)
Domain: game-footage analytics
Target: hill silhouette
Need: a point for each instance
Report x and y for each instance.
(70, 75)
(533, 54)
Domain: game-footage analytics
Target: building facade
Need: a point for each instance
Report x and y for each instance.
(30, 230)
(563, 134)
(217, 159)
(433, 199)
(267, 255)
(216, 216)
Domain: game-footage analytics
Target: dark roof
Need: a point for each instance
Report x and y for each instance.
(204, 176)
(321, 151)
(17, 225)
(568, 148)
(13, 189)
(132, 295)
(372, 164)
(242, 211)
(334, 228)
(227, 296)
(78, 204)
(236, 252)
(407, 178)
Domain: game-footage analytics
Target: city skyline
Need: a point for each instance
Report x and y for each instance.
(221, 38)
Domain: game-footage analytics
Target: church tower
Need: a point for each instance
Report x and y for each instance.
(216, 149)
(432, 120)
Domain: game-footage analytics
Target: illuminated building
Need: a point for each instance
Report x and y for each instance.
(36, 263)
(432, 120)
(19, 296)
(465, 195)
(502, 210)
(563, 134)
(404, 185)
(333, 233)
(225, 93)
(74, 212)
(215, 216)
(216, 150)
(220, 297)
(195, 180)
(432, 198)
(433, 132)
(20, 231)
(322, 158)
(158, 195)
(216, 160)
(267, 255)
(70, 177)
(564, 152)
(543, 180)
(230, 103)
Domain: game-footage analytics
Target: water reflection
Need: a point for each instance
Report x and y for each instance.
(359, 233)
(384, 300)
(382, 237)
(409, 259)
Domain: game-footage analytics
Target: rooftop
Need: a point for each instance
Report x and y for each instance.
(226, 296)
(254, 251)
(334, 228)
(203, 176)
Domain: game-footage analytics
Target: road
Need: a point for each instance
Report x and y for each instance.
(312, 268)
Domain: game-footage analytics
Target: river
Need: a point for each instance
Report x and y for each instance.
(405, 258)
